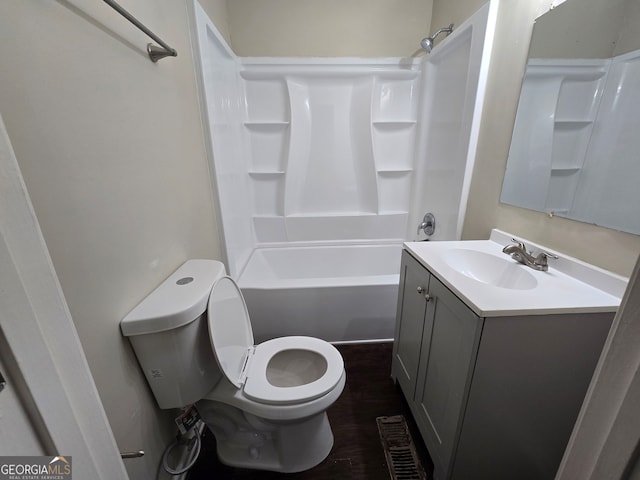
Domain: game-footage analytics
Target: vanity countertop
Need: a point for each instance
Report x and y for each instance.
(499, 286)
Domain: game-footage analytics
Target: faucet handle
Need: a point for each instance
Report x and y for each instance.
(428, 224)
(541, 260)
(542, 256)
(520, 243)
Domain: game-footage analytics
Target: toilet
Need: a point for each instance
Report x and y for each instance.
(266, 404)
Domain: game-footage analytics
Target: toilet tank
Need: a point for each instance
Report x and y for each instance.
(170, 337)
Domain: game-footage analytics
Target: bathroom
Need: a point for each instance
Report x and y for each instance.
(114, 156)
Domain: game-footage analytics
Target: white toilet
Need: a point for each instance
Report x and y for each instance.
(265, 404)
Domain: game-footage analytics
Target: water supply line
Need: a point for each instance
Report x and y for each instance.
(193, 444)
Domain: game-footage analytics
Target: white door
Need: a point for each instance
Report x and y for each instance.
(41, 341)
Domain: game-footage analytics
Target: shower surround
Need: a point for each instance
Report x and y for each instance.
(318, 155)
(329, 148)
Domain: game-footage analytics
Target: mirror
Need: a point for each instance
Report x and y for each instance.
(575, 150)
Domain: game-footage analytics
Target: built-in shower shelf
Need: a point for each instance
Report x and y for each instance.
(355, 213)
(274, 173)
(565, 170)
(267, 125)
(275, 69)
(397, 75)
(385, 124)
(398, 213)
(394, 171)
(569, 124)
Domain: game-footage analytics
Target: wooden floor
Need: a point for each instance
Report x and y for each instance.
(357, 452)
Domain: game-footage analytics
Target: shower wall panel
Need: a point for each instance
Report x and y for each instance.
(223, 110)
(341, 150)
(611, 163)
(332, 147)
(556, 114)
(452, 100)
(331, 170)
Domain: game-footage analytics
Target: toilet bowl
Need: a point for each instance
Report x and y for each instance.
(266, 404)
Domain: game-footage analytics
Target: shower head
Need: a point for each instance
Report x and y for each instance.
(427, 43)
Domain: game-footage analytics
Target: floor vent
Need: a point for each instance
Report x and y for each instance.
(402, 458)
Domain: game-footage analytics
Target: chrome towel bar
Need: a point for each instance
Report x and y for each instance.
(125, 455)
(155, 52)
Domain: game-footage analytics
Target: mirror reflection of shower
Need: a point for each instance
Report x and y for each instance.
(427, 43)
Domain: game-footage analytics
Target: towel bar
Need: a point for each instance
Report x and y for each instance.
(155, 52)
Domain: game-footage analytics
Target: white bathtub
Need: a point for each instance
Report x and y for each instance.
(337, 293)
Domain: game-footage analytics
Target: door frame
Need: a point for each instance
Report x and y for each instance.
(606, 437)
(37, 325)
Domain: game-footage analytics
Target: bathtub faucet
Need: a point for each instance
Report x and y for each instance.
(428, 225)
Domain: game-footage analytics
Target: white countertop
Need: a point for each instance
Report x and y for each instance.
(569, 286)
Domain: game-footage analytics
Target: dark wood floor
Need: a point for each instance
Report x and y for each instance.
(357, 452)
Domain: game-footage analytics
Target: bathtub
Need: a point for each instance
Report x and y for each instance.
(337, 293)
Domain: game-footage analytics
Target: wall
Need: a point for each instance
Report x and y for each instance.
(218, 12)
(606, 248)
(112, 152)
(365, 28)
(452, 11)
(630, 32)
(588, 29)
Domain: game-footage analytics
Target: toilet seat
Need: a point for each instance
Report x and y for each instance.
(259, 388)
(246, 366)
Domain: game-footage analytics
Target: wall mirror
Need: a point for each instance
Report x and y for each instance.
(575, 149)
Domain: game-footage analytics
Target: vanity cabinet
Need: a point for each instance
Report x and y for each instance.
(493, 397)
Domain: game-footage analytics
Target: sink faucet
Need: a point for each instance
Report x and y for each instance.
(518, 252)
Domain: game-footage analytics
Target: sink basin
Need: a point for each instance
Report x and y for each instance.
(490, 269)
(493, 284)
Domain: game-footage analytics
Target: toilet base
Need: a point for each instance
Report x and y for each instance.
(246, 441)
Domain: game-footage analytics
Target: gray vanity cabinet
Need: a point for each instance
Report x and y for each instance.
(496, 397)
(450, 339)
(433, 355)
(414, 283)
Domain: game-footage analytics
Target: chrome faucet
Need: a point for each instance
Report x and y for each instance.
(518, 252)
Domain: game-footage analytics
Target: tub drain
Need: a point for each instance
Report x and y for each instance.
(402, 458)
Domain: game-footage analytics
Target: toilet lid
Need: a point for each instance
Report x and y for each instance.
(229, 328)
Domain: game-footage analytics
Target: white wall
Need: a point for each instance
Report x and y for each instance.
(606, 248)
(112, 152)
(326, 28)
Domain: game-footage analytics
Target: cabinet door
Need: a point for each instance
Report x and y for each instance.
(445, 370)
(414, 282)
